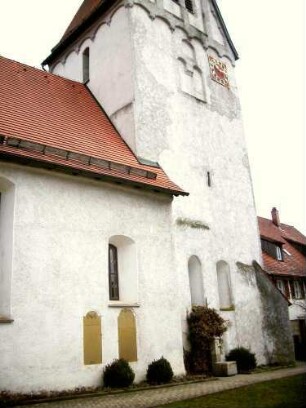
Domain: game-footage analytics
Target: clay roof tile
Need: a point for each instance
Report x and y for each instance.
(43, 113)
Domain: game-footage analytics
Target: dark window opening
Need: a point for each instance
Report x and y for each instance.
(272, 249)
(113, 273)
(189, 5)
(209, 181)
(86, 65)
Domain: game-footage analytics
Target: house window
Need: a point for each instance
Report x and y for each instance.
(272, 249)
(279, 256)
(86, 65)
(297, 289)
(281, 286)
(113, 272)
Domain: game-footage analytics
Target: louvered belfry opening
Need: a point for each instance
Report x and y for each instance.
(189, 5)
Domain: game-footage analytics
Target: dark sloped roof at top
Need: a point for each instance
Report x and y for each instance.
(91, 10)
(54, 122)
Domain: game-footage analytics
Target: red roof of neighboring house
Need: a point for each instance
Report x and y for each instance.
(55, 122)
(270, 231)
(294, 263)
(292, 234)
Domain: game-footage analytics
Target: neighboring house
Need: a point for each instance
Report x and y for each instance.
(125, 198)
(284, 259)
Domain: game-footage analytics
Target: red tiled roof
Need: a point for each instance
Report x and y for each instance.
(270, 231)
(58, 115)
(293, 264)
(292, 234)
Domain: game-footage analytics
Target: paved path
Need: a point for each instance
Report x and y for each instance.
(160, 396)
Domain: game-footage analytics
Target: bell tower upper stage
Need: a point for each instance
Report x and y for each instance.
(140, 59)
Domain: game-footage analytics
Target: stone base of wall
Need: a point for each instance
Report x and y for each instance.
(225, 369)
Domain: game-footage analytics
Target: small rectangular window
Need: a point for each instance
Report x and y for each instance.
(189, 5)
(86, 65)
(279, 255)
(292, 289)
(280, 285)
(297, 289)
(209, 179)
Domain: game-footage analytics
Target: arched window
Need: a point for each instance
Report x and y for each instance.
(86, 65)
(195, 281)
(122, 269)
(113, 272)
(191, 77)
(224, 285)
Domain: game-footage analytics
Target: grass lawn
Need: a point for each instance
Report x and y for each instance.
(287, 392)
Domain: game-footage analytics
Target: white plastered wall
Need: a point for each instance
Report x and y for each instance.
(192, 137)
(135, 76)
(62, 229)
(7, 195)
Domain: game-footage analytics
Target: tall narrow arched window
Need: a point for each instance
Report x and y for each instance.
(86, 65)
(224, 285)
(195, 281)
(122, 269)
(113, 272)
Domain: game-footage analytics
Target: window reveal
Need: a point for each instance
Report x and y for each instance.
(113, 273)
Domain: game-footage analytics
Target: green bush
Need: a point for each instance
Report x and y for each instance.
(159, 372)
(246, 361)
(204, 324)
(118, 374)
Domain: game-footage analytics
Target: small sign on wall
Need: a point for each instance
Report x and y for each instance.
(127, 335)
(92, 339)
(218, 71)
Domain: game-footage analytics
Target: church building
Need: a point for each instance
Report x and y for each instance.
(126, 198)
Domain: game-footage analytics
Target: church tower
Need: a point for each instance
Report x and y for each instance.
(163, 70)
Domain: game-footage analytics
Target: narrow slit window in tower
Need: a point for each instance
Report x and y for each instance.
(86, 65)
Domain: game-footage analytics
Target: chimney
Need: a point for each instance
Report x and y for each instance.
(275, 217)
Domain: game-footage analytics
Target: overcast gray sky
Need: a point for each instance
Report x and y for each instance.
(270, 38)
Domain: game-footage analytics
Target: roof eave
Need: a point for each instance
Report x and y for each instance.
(227, 35)
(35, 162)
(62, 45)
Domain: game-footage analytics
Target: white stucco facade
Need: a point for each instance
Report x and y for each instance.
(62, 228)
(149, 70)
